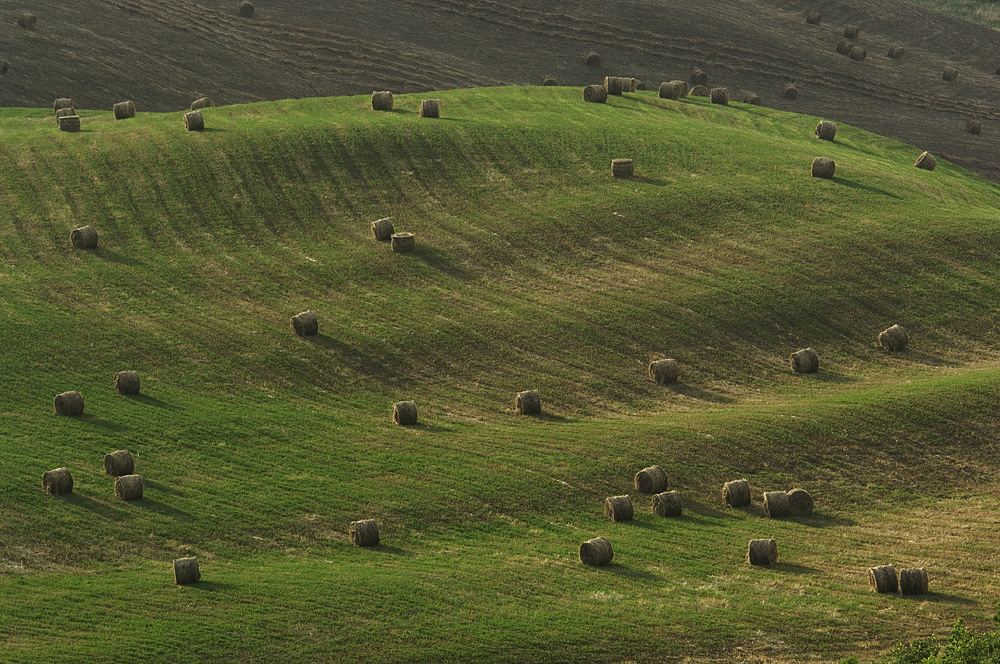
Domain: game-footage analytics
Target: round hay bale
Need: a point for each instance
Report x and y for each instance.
(804, 361)
(844, 46)
(596, 552)
(823, 168)
(404, 413)
(667, 503)
(128, 487)
(194, 121)
(800, 503)
(126, 382)
(790, 92)
(64, 113)
(186, 571)
(751, 97)
(123, 110)
(883, 579)
(27, 20)
(776, 503)
(974, 125)
(720, 96)
(431, 108)
(673, 90)
(593, 59)
(62, 102)
(364, 532)
(595, 94)
(622, 168)
(639, 85)
(664, 371)
(698, 77)
(57, 482)
(698, 91)
(736, 493)
(381, 100)
(913, 581)
(119, 463)
(245, 9)
(403, 243)
(383, 229)
(630, 84)
(826, 130)
(926, 161)
(851, 32)
(69, 123)
(893, 338)
(950, 74)
(651, 480)
(304, 324)
(618, 508)
(528, 402)
(614, 84)
(84, 237)
(68, 403)
(813, 17)
(858, 53)
(200, 103)
(762, 552)
(549, 79)
(896, 51)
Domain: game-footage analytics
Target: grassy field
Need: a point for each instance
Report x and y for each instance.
(978, 11)
(534, 269)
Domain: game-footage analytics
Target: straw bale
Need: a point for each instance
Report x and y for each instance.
(126, 382)
(667, 503)
(128, 487)
(618, 508)
(736, 493)
(651, 480)
(883, 579)
(528, 402)
(304, 324)
(68, 403)
(762, 552)
(404, 413)
(57, 482)
(596, 552)
(118, 463)
(186, 571)
(364, 532)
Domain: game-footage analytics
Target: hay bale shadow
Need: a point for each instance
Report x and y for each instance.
(939, 597)
(642, 179)
(791, 568)
(430, 428)
(701, 394)
(116, 257)
(632, 573)
(390, 550)
(153, 505)
(87, 503)
(924, 358)
(865, 187)
(823, 520)
(439, 260)
(157, 486)
(357, 362)
(150, 401)
(209, 586)
(97, 421)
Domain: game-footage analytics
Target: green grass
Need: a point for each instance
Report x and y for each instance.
(534, 269)
(977, 11)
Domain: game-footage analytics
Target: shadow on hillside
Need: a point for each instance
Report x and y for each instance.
(152, 401)
(430, 428)
(350, 358)
(792, 568)
(925, 358)
(439, 260)
(211, 586)
(645, 180)
(938, 597)
(117, 257)
(551, 417)
(823, 520)
(701, 394)
(100, 509)
(94, 419)
(162, 508)
(827, 377)
(212, 130)
(391, 550)
(630, 572)
(870, 189)
(153, 484)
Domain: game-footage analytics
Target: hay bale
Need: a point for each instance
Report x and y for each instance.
(950, 74)
(64, 113)
(194, 121)
(68, 403)
(639, 85)
(119, 463)
(549, 79)
(883, 579)
(304, 323)
(698, 91)
(673, 90)
(69, 123)
(126, 382)
(844, 46)
(790, 92)
(823, 168)
(431, 108)
(128, 487)
(62, 102)
(826, 130)
(800, 503)
(651, 480)
(913, 581)
(596, 552)
(664, 371)
(667, 503)
(858, 53)
(762, 552)
(851, 32)
(57, 482)
(245, 9)
(200, 103)
(593, 59)
(403, 243)
(528, 402)
(813, 17)
(123, 110)
(736, 493)
(893, 338)
(381, 100)
(622, 168)
(751, 97)
(383, 229)
(27, 20)
(618, 508)
(595, 94)
(404, 413)
(698, 77)
(84, 237)
(614, 84)
(630, 84)
(364, 532)
(926, 161)
(804, 361)
(974, 125)
(776, 503)
(720, 96)
(186, 571)
(896, 51)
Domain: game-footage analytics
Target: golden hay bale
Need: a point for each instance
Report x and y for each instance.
(858, 53)
(119, 463)
(194, 121)
(698, 77)
(776, 503)
(69, 123)
(667, 503)
(381, 100)
(186, 571)
(404, 413)
(790, 92)
(673, 90)
(651, 480)
(84, 237)
(62, 102)
(750, 97)
(950, 74)
(823, 168)
(913, 581)
(844, 46)
(618, 508)
(305, 324)
(596, 552)
(403, 243)
(27, 20)
(595, 94)
(68, 403)
(126, 382)
(64, 113)
(804, 361)
(622, 168)
(664, 371)
(383, 229)
(593, 59)
(883, 579)
(720, 96)
(57, 482)
(762, 552)
(123, 110)
(813, 17)
(826, 130)
(893, 338)
(974, 125)
(128, 487)
(549, 79)
(614, 84)
(800, 503)
(528, 402)
(736, 493)
(926, 161)
(896, 51)
(245, 9)
(630, 84)
(364, 532)
(698, 91)
(431, 108)
(851, 32)
(200, 103)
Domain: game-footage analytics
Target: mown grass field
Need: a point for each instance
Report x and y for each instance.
(534, 269)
